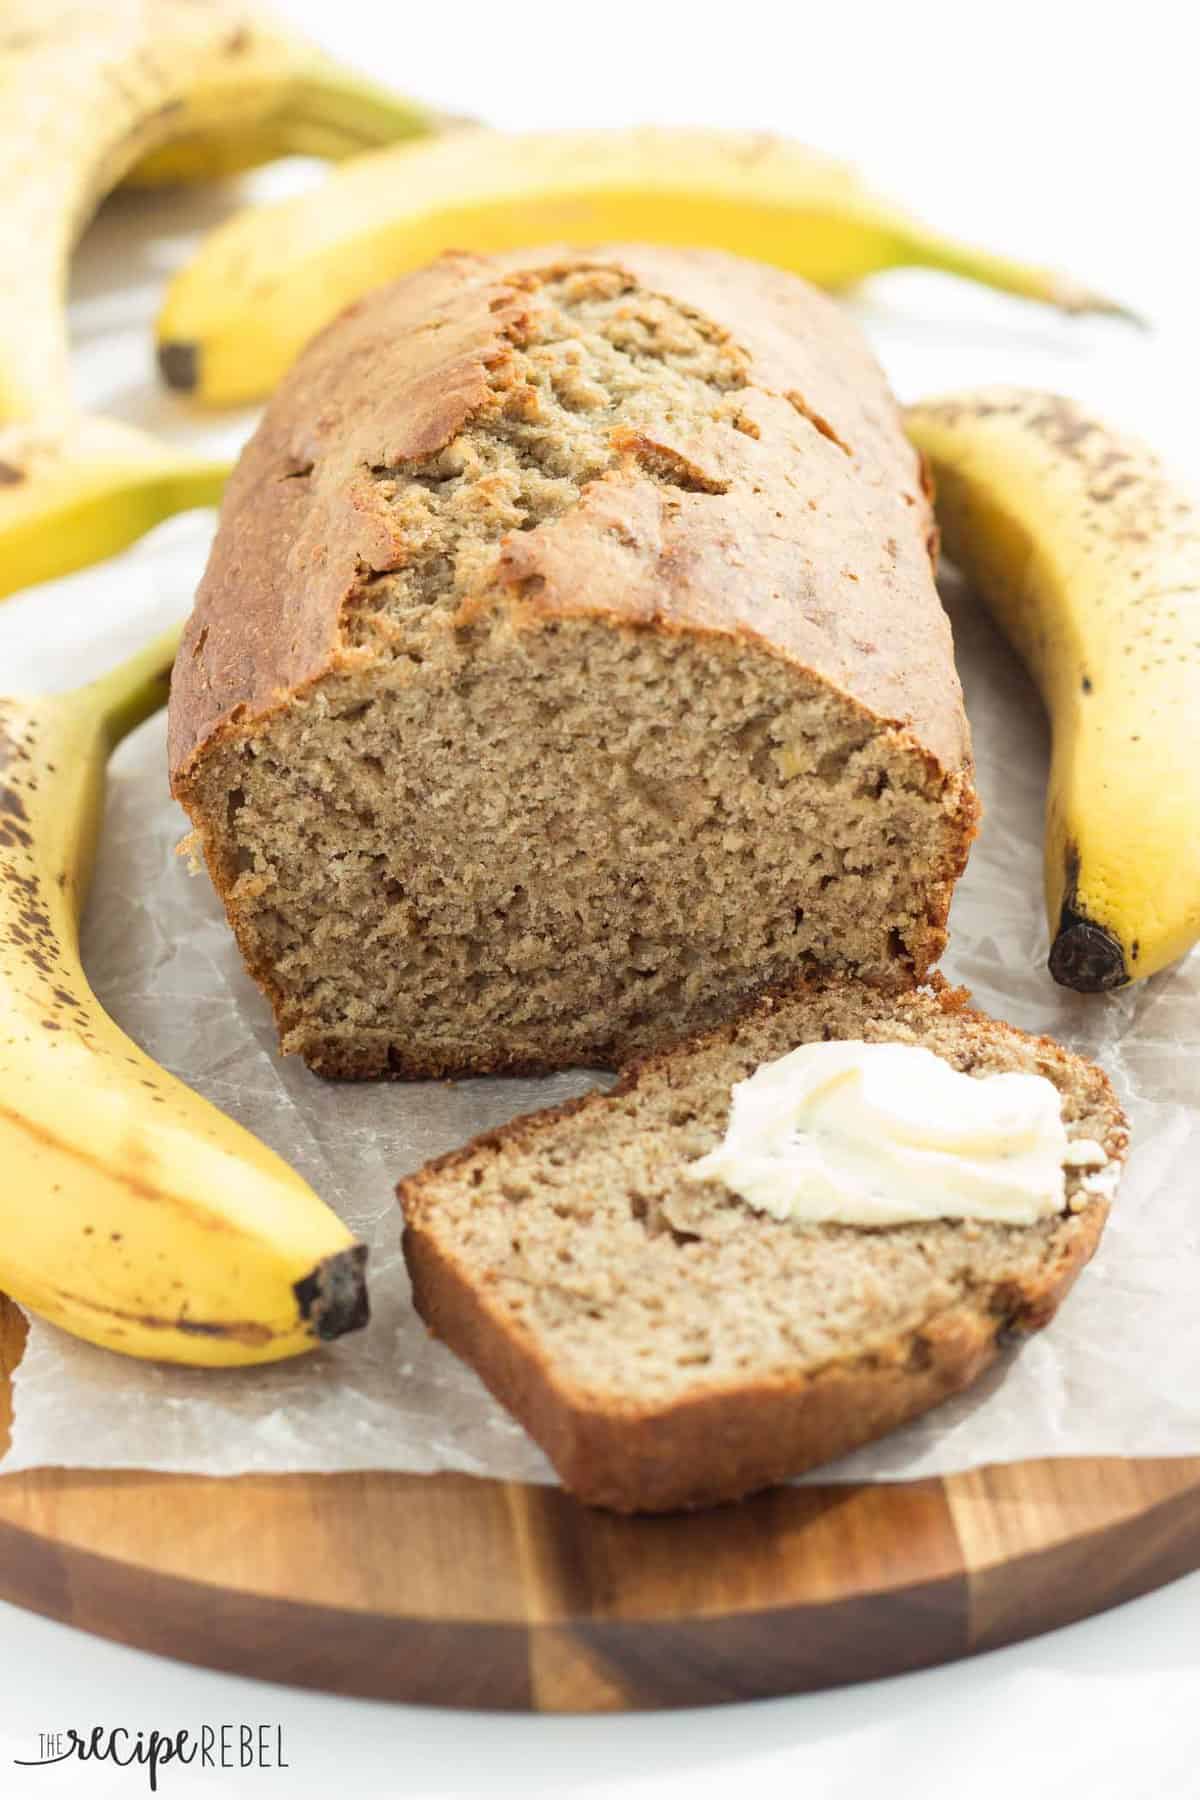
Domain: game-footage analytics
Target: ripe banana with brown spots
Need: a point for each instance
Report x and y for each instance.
(1088, 554)
(132, 1212)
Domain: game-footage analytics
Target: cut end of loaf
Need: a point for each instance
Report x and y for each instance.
(568, 844)
(668, 1346)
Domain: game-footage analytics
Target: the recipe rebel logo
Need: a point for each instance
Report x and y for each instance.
(211, 1747)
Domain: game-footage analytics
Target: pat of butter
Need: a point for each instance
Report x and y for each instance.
(885, 1134)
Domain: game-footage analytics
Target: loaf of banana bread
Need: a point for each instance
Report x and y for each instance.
(569, 669)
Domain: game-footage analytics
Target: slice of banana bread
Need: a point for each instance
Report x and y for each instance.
(667, 1345)
(569, 668)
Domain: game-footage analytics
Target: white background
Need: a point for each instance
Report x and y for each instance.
(1065, 133)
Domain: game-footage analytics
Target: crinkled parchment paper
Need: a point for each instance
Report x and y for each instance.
(1117, 1373)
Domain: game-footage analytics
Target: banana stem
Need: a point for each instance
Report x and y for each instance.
(358, 108)
(201, 485)
(1028, 280)
(126, 696)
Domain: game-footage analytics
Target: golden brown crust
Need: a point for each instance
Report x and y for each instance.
(724, 1442)
(818, 552)
(302, 521)
(721, 1445)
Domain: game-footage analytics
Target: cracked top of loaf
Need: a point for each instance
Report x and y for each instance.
(689, 443)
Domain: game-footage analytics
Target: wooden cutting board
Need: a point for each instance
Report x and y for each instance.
(457, 1592)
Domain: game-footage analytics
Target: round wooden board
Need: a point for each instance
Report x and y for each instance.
(456, 1592)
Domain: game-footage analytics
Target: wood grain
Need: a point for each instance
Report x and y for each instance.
(446, 1590)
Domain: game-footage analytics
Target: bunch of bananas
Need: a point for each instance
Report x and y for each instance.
(133, 1213)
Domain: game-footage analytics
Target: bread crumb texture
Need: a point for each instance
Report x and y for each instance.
(636, 1320)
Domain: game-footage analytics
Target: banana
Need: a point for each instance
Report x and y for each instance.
(132, 1212)
(312, 107)
(1089, 556)
(77, 491)
(90, 95)
(145, 91)
(265, 281)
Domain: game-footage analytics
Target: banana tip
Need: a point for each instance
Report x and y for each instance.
(1072, 298)
(333, 1297)
(1085, 956)
(179, 366)
(1113, 309)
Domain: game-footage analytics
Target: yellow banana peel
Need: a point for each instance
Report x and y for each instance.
(132, 1212)
(81, 488)
(1088, 554)
(92, 96)
(265, 281)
